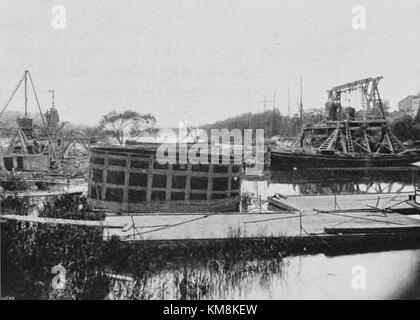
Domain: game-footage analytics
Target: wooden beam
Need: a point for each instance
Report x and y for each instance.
(391, 147)
(365, 136)
(369, 230)
(85, 223)
(343, 143)
(360, 146)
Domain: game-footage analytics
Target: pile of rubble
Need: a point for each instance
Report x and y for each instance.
(77, 167)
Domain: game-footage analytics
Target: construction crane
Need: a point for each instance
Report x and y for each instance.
(348, 132)
(25, 124)
(371, 101)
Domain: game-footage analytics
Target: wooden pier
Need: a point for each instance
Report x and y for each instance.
(342, 222)
(242, 225)
(397, 202)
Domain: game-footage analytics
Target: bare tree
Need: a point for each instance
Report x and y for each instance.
(129, 123)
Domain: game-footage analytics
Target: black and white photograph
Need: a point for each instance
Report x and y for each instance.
(225, 152)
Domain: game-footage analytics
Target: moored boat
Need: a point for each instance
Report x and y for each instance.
(286, 159)
(346, 137)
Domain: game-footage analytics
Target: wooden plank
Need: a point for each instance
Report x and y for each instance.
(86, 223)
(347, 201)
(280, 205)
(30, 194)
(414, 204)
(367, 230)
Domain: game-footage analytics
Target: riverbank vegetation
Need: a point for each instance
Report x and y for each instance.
(29, 252)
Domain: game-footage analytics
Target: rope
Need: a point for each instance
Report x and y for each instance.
(361, 218)
(11, 97)
(176, 224)
(337, 224)
(271, 219)
(42, 116)
(135, 230)
(396, 204)
(318, 237)
(173, 225)
(392, 199)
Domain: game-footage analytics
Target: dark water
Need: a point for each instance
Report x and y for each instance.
(381, 275)
(329, 182)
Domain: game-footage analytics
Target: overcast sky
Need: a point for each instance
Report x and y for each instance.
(203, 60)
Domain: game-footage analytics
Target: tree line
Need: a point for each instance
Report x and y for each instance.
(273, 123)
(118, 127)
(114, 126)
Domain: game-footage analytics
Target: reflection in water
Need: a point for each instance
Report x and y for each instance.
(302, 277)
(216, 279)
(324, 182)
(386, 274)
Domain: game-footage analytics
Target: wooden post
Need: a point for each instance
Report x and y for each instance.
(335, 201)
(300, 223)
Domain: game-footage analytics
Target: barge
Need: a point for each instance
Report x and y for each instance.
(346, 137)
(304, 159)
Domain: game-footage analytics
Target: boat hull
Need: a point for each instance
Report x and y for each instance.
(287, 160)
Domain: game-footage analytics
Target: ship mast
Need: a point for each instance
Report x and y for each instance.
(52, 96)
(27, 76)
(26, 92)
(302, 115)
(274, 112)
(288, 99)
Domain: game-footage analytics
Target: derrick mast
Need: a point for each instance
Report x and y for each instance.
(351, 127)
(370, 104)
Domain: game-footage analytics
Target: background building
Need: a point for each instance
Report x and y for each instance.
(416, 103)
(410, 104)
